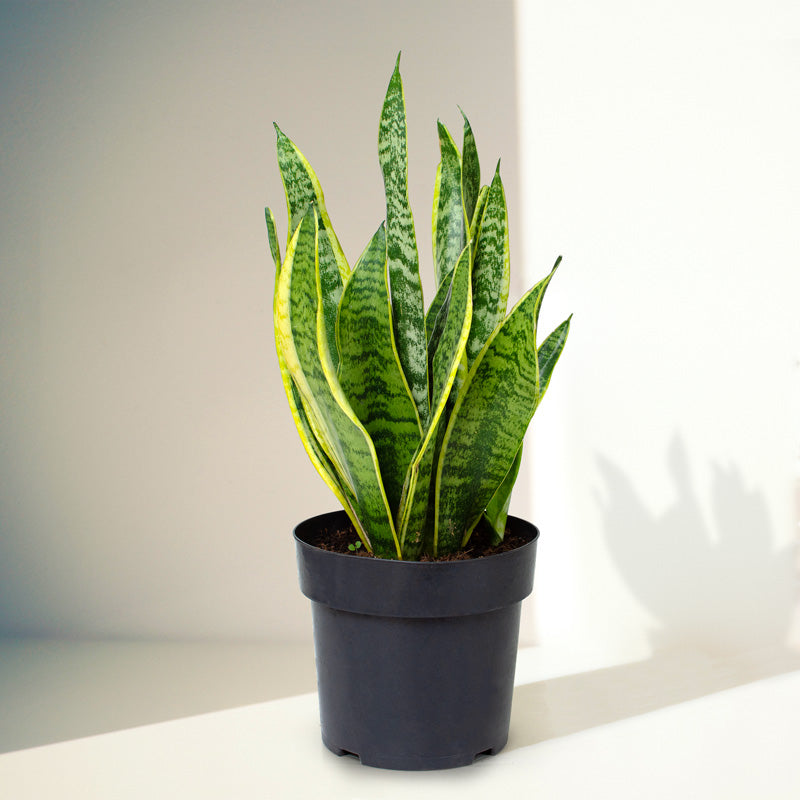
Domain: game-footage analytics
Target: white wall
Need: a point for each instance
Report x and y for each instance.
(150, 474)
(659, 154)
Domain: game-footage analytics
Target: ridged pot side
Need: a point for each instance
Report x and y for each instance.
(415, 660)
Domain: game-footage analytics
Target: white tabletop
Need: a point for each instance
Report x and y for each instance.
(644, 730)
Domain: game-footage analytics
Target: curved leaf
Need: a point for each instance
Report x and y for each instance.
(488, 423)
(300, 334)
(496, 512)
(272, 235)
(370, 373)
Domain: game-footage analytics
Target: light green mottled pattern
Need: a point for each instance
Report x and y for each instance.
(302, 187)
(496, 513)
(460, 294)
(272, 235)
(488, 423)
(478, 215)
(550, 352)
(370, 373)
(413, 520)
(470, 171)
(434, 310)
(491, 269)
(449, 235)
(401, 245)
(342, 437)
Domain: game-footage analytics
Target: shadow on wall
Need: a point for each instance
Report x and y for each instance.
(723, 597)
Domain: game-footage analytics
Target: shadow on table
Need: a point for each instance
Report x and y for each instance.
(722, 594)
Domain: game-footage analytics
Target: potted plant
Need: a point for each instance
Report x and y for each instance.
(415, 419)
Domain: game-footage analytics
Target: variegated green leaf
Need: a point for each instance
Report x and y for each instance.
(302, 187)
(550, 352)
(272, 235)
(491, 269)
(300, 329)
(496, 512)
(370, 373)
(401, 244)
(470, 171)
(449, 234)
(478, 215)
(414, 520)
(488, 423)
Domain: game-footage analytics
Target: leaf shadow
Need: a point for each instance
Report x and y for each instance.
(722, 597)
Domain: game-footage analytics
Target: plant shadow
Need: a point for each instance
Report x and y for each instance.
(722, 596)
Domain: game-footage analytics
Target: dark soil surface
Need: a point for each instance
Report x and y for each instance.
(338, 540)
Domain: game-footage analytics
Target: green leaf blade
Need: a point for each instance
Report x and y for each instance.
(302, 187)
(403, 258)
(272, 235)
(416, 512)
(470, 171)
(370, 373)
(449, 234)
(346, 444)
(491, 269)
(488, 423)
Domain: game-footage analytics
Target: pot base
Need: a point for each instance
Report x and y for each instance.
(415, 694)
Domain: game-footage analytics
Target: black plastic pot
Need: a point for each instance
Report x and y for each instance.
(415, 660)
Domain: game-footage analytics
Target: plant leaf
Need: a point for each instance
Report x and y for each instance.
(272, 235)
(301, 186)
(449, 233)
(413, 520)
(300, 334)
(550, 352)
(488, 423)
(496, 512)
(401, 244)
(370, 373)
(470, 171)
(491, 269)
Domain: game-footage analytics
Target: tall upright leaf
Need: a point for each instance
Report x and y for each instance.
(413, 520)
(488, 423)
(470, 171)
(491, 269)
(299, 327)
(370, 373)
(450, 231)
(401, 244)
(303, 188)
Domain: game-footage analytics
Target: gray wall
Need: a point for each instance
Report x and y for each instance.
(150, 474)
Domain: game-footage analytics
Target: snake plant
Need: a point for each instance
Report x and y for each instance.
(413, 418)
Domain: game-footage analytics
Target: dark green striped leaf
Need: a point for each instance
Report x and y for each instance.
(300, 326)
(406, 287)
(491, 269)
(413, 521)
(302, 187)
(488, 423)
(496, 513)
(449, 234)
(370, 373)
(272, 235)
(470, 171)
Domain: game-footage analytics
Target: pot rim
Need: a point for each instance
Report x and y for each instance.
(389, 587)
